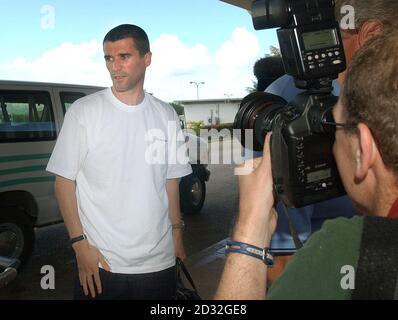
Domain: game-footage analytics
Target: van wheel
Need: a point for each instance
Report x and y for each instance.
(16, 235)
(192, 194)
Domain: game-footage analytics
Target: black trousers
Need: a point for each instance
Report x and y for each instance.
(147, 286)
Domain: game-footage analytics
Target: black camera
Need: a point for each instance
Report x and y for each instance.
(303, 167)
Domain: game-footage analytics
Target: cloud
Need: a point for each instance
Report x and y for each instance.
(239, 51)
(69, 63)
(229, 70)
(234, 62)
(174, 64)
(171, 56)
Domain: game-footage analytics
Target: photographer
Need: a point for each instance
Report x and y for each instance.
(267, 70)
(366, 152)
(371, 18)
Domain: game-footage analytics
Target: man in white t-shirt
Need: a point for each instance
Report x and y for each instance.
(118, 160)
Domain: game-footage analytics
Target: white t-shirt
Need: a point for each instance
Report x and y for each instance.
(108, 148)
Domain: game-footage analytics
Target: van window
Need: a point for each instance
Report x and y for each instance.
(67, 98)
(26, 116)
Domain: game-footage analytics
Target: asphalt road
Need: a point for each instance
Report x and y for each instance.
(212, 225)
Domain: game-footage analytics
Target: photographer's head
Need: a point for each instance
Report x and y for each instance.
(267, 70)
(372, 17)
(367, 155)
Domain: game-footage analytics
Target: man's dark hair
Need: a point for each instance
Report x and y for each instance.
(125, 31)
(267, 70)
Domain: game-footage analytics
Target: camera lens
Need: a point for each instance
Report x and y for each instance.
(258, 112)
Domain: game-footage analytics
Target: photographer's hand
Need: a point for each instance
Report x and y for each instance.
(257, 219)
(244, 277)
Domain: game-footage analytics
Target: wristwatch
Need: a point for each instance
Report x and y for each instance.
(78, 238)
(180, 225)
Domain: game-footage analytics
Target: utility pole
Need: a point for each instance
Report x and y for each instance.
(197, 87)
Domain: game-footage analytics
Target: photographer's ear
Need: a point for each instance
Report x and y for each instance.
(366, 153)
(369, 30)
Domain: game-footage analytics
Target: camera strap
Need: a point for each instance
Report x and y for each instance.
(297, 242)
(276, 134)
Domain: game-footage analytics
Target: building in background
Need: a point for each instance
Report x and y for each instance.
(212, 111)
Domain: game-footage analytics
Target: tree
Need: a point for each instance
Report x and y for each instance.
(252, 88)
(178, 108)
(274, 52)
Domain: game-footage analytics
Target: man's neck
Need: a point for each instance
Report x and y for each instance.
(131, 97)
(386, 197)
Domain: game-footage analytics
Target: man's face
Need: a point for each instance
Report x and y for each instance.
(125, 64)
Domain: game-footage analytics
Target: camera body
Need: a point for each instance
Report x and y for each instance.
(303, 166)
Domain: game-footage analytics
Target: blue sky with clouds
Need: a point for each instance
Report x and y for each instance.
(192, 40)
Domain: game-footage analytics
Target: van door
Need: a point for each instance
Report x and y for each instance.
(28, 131)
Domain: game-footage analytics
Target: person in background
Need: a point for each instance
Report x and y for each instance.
(267, 70)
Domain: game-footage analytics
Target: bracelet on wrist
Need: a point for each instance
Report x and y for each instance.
(180, 225)
(250, 250)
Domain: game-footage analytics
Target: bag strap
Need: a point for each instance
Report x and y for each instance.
(396, 290)
(181, 266)
(377, 271)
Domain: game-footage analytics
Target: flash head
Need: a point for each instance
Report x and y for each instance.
(269, 14)
(309, 39)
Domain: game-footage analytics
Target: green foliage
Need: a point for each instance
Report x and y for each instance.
(252, 88)
(220, 127)
(178, 108)
(196, 126)
(274, 52)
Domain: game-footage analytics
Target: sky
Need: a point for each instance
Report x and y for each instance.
(191, 40)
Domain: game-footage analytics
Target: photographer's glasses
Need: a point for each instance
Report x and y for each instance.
(331, 126)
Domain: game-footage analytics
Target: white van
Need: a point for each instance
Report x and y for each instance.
(31, 116)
